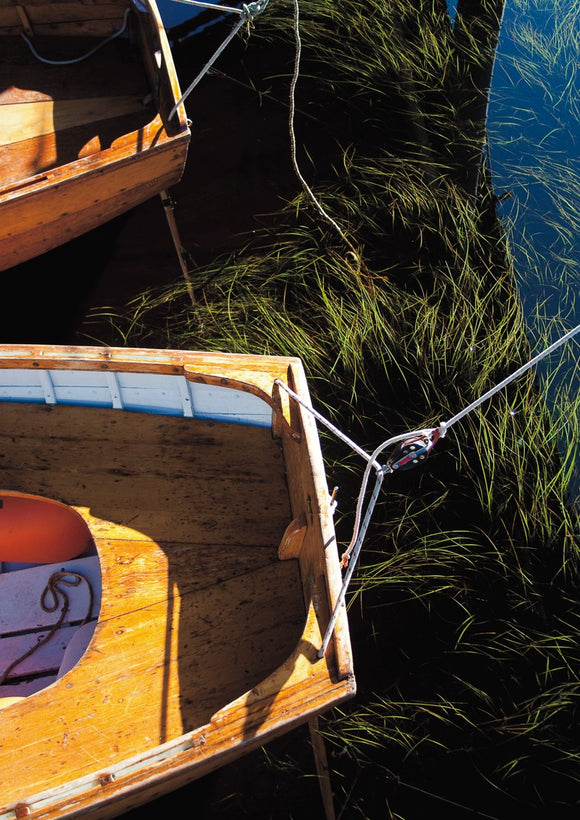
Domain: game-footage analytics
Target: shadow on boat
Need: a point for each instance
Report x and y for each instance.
(188, 516)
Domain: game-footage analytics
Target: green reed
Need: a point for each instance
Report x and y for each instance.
(464, 608)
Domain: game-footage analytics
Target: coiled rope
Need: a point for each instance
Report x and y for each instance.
(429, 436)
(52, 597)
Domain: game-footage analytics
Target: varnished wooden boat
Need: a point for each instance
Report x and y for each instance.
(88, 135)
(211, 560)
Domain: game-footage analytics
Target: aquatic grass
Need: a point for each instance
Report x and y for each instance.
(463, 610)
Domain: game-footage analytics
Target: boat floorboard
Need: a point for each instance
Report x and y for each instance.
(196, 608)
(53, 115)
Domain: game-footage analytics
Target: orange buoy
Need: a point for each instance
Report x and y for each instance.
(40, 530)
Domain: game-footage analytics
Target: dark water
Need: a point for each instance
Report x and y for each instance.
(534, 152)
(534, 139)
(174, 13)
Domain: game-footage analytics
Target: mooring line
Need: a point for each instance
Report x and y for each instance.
(414, 446)
(516, 374)
(247, 14)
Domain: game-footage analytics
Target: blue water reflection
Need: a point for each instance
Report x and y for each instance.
(173, 13)
(534, 149)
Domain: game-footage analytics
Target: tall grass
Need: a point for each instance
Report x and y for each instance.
(464, 611)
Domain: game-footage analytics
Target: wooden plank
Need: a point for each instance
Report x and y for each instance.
(145, 571)
(145, 476)
(106, 439)
(200, 486)
(46, 214)
(310, 498)
(21, 160)
(151, 674)
(31, 120)
(63, 18)
(87, 202)
(117, 68)
(125, 441)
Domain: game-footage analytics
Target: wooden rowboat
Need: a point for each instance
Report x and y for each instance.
(87, 88)
(189, 536)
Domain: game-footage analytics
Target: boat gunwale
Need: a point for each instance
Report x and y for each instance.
(170, 362)
(81, 169)
(168, 761)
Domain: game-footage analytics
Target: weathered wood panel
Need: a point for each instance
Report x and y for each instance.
(38, 119)
(170, 479)
(28, 158)
(48, 215)
(151, 673)
(42, 109)
(62, 18)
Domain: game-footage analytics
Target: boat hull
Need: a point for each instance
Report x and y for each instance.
(49, 213)
(82, 144)
(203, 488)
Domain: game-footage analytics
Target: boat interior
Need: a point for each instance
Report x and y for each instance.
(186, 516)
(77, 78)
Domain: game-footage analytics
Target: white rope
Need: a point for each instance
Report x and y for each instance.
(113, 36)
(293, 84)
(346, 580)
(361, 524)
(338, 433)
(215, 6)
(516, 374)
(247, 14)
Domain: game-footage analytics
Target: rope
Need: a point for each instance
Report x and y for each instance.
(52, 589)
(295, 165)
(113, 36)
(247, 14)
(348, 575)
(338, 433)
(516, 374)
(219, 7)
(432, 435)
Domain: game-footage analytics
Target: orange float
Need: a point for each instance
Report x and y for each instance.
(34, 529)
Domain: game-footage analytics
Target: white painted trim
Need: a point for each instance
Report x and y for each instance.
(146, 392)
